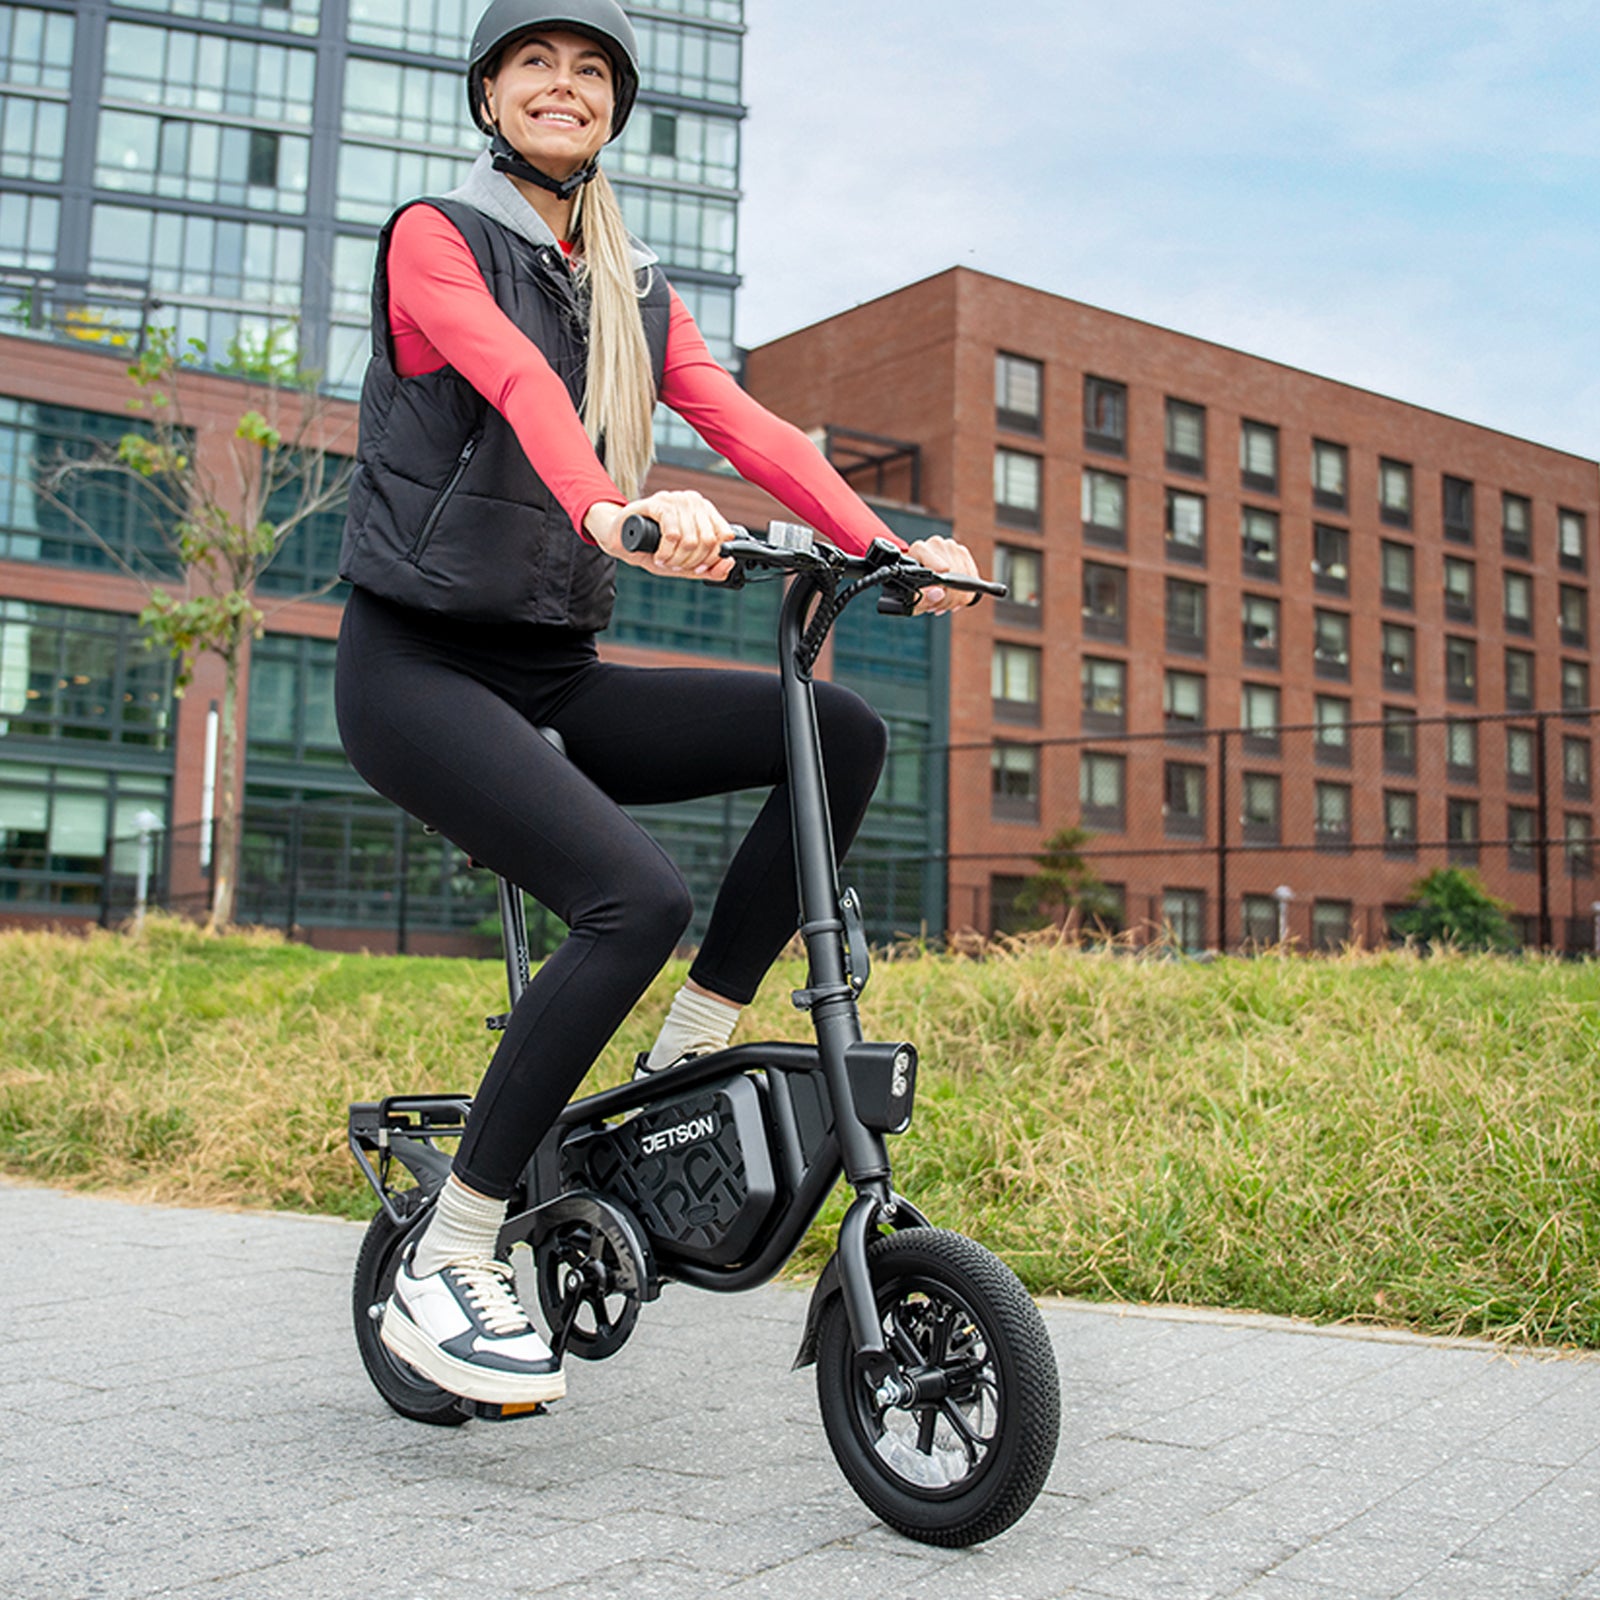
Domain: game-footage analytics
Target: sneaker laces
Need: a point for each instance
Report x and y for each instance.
(490, 1291)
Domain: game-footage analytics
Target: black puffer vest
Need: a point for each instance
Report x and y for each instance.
(446, 514)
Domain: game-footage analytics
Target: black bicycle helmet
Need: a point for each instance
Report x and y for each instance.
(604, 21)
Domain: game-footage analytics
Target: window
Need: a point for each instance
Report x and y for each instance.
(1399, 822)
(35, 48)
(1186, 616)
(1105, 601)
(1399, 739)
(1332, 713)
(1398, 571)
(1259, 622)
(1461, 751)
(1522, 832)
(1330, 559)
(1021, 572)
(1520, 754)
(291, 702)
(81, 677)
(664, 134)
(1575, 767)
(101, 522)
(1519, 680)
(1516, 526)
(1572, 539)
(1186, 527)
(307, 562)
(1105, 416)
(1460, 597)
(425, 27)
(1018, 394)
(1183, 700)
(1005, 916)
(1460, 669)
(1186, 437)
(1105, 507)
(1457, 509)
(1461, 830)
(1102, 791)
(1394, 493)
(1105, 693)
(1014, 682)
(1399, 656)
(1574, 686)
(1330, 924)
(1259, 533)
(33, 134)
(695, 232)
(1183, 917)
(174, 71)
(1260, 798)
(1185, 806)
(1517, 593)
(1332, 815)
(1330, 649)
(1330, 470)
(1258, 456)
(693, 62)
(1016, 488)
(28, 228)
(1259, 922)
(1575, 832)
(1014, 782)
(1574, 615)
(679, 146)
(1260, 719)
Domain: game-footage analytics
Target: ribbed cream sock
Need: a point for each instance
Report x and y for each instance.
(465, 1227)
(695, 1022)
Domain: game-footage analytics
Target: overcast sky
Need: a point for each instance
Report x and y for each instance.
(1401, 195)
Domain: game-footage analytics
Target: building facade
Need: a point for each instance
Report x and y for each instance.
(222, 167)
(1277, 644)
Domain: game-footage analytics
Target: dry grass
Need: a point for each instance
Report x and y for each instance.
(1368, 1137)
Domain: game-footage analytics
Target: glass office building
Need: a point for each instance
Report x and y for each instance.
(233, 160)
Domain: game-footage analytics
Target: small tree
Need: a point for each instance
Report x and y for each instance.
(224, 526)
(1451, 906)
(1064, 883)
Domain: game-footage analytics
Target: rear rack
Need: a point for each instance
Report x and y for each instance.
(406, 1127)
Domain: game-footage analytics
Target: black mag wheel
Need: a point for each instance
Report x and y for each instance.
(969, 1454)
(406, 1390)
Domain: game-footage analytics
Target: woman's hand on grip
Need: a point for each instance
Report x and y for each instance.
(693, 532)
(944, 555)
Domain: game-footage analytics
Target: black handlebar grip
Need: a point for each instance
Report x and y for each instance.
(640, 534)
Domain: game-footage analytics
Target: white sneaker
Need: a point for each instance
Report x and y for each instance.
(464, 1329)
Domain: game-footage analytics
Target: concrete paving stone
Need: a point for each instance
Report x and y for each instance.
(1152, 1509)
(1107, 1464)
(840, 1570)
(1040, 1571)
(1148, 1575)
(1472, 1487)
(1460, 1579)
(1361, 1566)
(1274, 1587)
(1200, 1424)
(1553, 1433)
(1556, 1530)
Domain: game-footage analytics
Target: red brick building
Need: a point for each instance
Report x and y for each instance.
(1391, 609)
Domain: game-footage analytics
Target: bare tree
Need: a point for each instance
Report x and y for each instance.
(226, 513)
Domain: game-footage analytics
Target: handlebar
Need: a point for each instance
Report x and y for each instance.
(789, 547)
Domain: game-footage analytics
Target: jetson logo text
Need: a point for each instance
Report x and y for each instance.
(685, 1133)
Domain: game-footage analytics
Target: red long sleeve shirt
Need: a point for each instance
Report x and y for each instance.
(441, 313)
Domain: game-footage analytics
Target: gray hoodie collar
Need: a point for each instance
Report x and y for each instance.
(498, 198)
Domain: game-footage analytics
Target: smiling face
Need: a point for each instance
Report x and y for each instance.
(552, 95)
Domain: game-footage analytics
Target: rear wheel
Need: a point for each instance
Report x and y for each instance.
(964, 1456)
(406, 1390)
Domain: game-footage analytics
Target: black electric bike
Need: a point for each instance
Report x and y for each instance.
(935, 1376)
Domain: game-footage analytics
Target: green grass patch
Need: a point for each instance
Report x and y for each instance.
(1371, 1137)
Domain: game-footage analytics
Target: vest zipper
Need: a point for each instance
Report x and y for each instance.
(421, 543)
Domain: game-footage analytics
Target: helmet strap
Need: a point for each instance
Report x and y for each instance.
(507, 160)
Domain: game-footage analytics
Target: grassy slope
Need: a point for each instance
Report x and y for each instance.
(1372, 1137)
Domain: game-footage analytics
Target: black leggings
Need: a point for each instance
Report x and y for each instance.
(440, 717)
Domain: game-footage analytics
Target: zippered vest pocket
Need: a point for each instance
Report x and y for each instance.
(420, 544)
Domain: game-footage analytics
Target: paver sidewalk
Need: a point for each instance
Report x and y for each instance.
(182, 1411)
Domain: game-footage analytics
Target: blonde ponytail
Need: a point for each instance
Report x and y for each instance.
(619, 397)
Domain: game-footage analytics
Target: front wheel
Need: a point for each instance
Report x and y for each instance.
(402, 1386)
(963, 1459)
